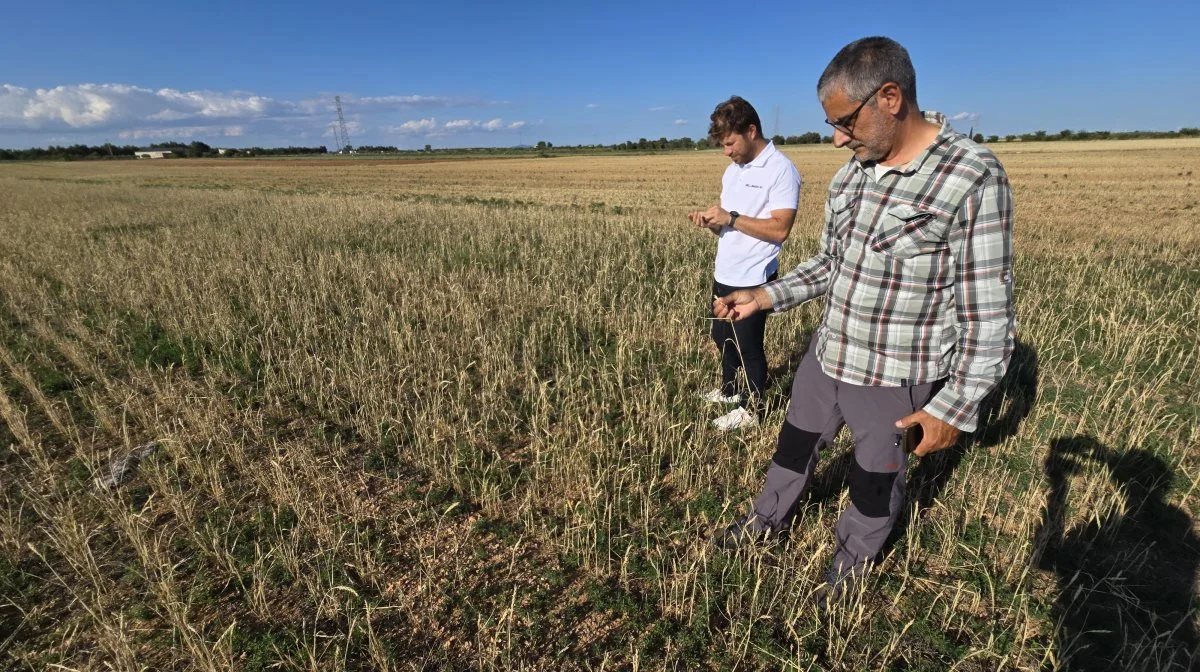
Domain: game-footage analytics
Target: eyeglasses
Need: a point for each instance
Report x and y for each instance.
(846, 123)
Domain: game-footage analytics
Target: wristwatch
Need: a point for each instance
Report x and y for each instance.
(733, 215)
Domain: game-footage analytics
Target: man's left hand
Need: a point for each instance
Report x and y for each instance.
(939, 435)
(718, 216)
(701, 220)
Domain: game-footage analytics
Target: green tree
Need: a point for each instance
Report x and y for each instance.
(198, 148)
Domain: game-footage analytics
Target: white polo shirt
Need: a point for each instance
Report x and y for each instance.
(769, 182)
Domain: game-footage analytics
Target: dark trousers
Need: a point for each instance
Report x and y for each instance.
(819, 407)
(741, 346)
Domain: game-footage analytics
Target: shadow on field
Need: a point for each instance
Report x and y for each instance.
(1126, 579)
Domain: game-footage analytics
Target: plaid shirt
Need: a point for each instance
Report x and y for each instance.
(917, 271)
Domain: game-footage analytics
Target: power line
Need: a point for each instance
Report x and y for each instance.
(344, 138)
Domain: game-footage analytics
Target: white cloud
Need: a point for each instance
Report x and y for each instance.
(592, 106)
(466, 125)
(219, 105)
(86, 106)
(96, 112)
(75, 107)
(657, 108)
(967, 116)
(680, 122)
(414, 126)
(182, 132)
(82, 106)
(167, 115)
(430, 127)
(324, 105)
(409, 101)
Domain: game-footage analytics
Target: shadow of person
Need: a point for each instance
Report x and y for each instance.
(1126, 576)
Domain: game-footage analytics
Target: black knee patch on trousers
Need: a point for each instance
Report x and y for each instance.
(795, 448)
(871, 491)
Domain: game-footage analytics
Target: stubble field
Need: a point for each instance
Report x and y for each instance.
(443, 416)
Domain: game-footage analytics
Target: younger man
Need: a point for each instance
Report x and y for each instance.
(759, 194)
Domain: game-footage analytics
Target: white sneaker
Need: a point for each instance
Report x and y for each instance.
(738, 418)
(714, 396)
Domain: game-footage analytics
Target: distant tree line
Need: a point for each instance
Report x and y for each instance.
(642, 144)
(197, 149)
(194, 149)
(1068, 134)
(275, 151)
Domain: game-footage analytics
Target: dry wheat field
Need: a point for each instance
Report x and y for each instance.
(399, 415)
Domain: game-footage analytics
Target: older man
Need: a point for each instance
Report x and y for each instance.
(915, 264)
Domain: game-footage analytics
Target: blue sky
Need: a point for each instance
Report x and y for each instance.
(481, 74)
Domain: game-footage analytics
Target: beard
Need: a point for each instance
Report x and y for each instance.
(877, 141)
(865, 153)
(875, 145)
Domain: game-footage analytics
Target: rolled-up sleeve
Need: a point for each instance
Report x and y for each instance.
(981, 242)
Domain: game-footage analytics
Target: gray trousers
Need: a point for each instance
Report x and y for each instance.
(818, 408)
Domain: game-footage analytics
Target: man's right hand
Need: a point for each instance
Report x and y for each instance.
(741, 303)
(698, 218)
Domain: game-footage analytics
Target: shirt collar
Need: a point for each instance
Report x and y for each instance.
(761, 160)
(924, 163)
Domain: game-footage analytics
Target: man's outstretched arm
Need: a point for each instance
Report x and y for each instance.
(807, 281)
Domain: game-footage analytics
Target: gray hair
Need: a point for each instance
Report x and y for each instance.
(864, 65)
